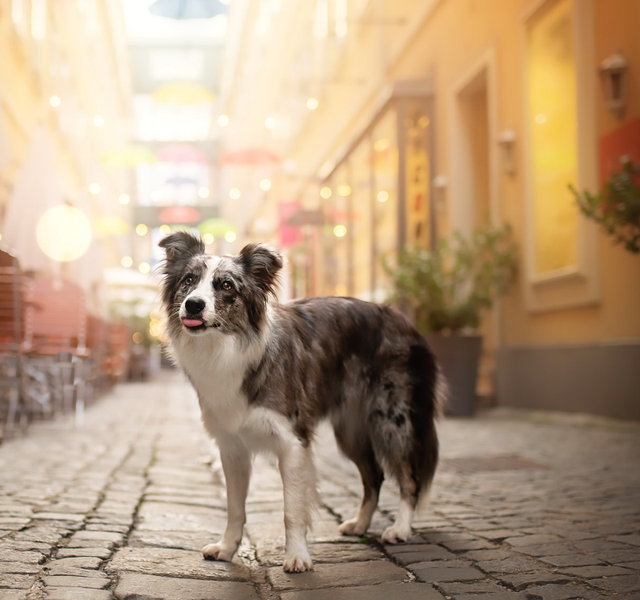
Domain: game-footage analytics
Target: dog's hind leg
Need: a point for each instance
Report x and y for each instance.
(400, 531)
(236, 464)
(361, 453)
(300, 497)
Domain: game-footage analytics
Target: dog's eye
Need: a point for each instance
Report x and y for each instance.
(226, 286)
(188, 280)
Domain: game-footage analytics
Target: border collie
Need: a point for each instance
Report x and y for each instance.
(267, 373)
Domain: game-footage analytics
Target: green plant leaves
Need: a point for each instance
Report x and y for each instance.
(448, 288)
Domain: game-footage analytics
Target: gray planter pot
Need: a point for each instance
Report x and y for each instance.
(459, 356)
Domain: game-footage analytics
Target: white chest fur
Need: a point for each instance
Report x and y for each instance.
(217, 365)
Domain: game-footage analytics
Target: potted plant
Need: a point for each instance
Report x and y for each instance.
(617, 207)
(446, 290)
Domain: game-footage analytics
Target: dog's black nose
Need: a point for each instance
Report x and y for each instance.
(194, 305)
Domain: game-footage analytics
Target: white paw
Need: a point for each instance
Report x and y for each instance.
(395, 535)
(352, 527)
(218, 552)
(297, 563)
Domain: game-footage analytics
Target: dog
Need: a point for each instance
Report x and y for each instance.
(267, 373)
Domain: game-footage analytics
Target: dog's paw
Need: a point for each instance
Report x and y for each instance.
(395, 535)
(297, 563)
(352, 527)
(217, 552)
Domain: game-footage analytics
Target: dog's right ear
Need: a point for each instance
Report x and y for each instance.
(181, 245)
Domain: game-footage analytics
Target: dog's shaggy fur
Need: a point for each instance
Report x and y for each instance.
(266, 374)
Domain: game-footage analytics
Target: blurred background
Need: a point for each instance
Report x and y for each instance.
(342, 132)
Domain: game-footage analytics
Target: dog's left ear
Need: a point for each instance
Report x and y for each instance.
(181, 245)
(263, 264)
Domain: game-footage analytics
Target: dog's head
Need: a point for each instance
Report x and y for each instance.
(204, 294)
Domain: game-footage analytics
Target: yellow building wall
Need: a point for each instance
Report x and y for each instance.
(447, 46)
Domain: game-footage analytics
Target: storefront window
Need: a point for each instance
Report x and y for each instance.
(361, 208)
(385, 177)
(554, 142)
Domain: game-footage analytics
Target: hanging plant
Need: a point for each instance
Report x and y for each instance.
(617, 207)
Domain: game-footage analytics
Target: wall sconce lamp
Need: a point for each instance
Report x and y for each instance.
(507, 141)
(613, 71)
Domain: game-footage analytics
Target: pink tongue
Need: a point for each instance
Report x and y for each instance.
(192, 322)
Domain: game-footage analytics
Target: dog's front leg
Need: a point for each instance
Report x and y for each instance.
(298, 479)
(236, 464)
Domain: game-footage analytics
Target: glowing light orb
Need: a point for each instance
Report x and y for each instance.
(98, 120)
(230, 236)
(141, 229)
(265, 185)
(137, 337)
(383, 196)
(270, 122)
(339, 231)
(144, 268)
(208, 238)
(165, 229)
(223, 120)
(312, 104)
(124, 199)
(234, 193)
(94, 188)
(325, 192)
(55, 101)
(203, 192)
(344, 190)
(126, 261)
(63, 233)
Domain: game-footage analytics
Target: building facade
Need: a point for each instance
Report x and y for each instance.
(446, 115)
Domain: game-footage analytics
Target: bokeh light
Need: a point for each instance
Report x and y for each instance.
(230, 236)
(265, 185)
(234, 193)
(208, 238)
(144, 268)
(126, 262)
(124, 199)
(339, 231)
(63, 233)
(141, 229)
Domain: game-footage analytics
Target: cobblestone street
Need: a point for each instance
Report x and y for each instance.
(523, 506)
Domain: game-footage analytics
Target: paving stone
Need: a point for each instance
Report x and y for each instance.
(475, 544)
(455, 588)
(427, 554)
(505, 595)
(513, 564)
(53, 516)
(71, 593)
(101, 553)
(15, 581)
(571, 560)
(600, 546)
(385, 591)
(180, 540)
(18, 567)
(633, 539)
(323, 553)
(175, 563)
(100, 536)
(80, 562)
(134, 586)
(13, 594)
(619, 585)
(595, 571)
(486, 554)
(97, 583)
(561, 592)
(71, 571)
(107, 527)
(20, 556)
(546, 550)
(533, 540)
(431, 574)
(349, 574)
(520, 581)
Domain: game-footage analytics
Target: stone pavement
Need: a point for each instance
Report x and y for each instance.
(524, 506)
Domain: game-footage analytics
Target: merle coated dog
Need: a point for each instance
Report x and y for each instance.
(267, 373)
